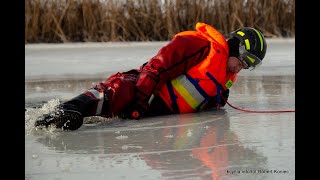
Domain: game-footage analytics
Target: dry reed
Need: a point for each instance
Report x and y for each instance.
(54, 21)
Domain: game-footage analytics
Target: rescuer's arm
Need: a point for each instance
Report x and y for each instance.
(172, 60)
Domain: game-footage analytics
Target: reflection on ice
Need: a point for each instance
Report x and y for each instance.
(211, 150)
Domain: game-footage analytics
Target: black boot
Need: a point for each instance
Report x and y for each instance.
(62, 119)
(69, 115)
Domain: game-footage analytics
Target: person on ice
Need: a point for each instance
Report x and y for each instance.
(192, 73)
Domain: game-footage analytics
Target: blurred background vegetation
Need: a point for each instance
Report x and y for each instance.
(59, 21)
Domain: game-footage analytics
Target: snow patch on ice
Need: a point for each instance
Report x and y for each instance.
(125, 147)
(189, 133)
(122, 137)
(169, 136)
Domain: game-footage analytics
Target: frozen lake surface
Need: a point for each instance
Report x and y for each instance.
(222, 144)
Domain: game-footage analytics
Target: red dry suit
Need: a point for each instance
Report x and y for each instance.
(184, 75)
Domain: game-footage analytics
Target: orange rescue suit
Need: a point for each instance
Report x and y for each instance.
(193, 89)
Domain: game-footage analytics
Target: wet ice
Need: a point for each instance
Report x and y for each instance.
(190, 146)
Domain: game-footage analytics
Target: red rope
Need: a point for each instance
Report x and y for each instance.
(258, 111)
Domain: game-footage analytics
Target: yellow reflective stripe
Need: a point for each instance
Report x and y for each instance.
(187, 90)
(251, 59)
(260, 37)
(247, 43)
(240, 33)
(191, 88)
(184, 93)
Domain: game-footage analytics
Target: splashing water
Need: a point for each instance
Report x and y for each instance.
(31, 114)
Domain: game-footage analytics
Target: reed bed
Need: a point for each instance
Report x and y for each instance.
(59, 21)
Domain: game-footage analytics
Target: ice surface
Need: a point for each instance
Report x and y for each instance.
(220, 144)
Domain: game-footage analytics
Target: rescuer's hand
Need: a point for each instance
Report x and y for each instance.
(223, 99)
(225, 95)
(134, 111)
